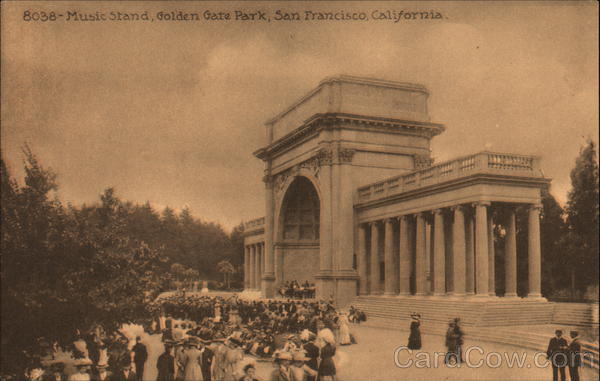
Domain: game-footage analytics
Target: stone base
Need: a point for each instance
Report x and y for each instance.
(345, 292)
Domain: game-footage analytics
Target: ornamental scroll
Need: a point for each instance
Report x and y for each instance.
(325, 156)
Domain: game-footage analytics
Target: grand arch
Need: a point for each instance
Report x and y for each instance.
(297, 232)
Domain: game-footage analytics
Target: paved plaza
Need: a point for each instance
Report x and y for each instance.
(373, 359)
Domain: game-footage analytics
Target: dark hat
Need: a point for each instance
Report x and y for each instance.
(234, 341)
(574, 333)
(57, 366)
(558, 331)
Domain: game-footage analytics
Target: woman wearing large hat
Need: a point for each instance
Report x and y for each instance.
(192, 370)
(299, 370)
(414, 339)
(327, 369)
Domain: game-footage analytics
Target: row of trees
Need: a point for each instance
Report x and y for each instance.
(569, 236)
(67, 267)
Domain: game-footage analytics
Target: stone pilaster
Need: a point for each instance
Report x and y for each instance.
(268, 279)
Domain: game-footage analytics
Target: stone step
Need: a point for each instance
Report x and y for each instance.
(523, 339)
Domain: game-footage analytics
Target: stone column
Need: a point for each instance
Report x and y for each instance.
(481, 252)
(260, 267)
(362, 259)
(246, 268)
(469, 255)
(458, 252)
(252, 264)
(420, 281)
(439, 254)
(269, 275)
(390, 266)
(404, 259)
(510, 259)
(534, 252)
(492, 256)
(374, 278)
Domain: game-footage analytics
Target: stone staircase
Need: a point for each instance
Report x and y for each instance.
(578, 314)
(494, 312)
(520, 323)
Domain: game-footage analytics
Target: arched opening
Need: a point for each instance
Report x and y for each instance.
(297, 247)
(301, 212)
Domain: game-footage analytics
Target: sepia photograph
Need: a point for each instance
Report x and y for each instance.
(299, 190)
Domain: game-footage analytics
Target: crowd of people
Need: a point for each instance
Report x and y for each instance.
(208, 338)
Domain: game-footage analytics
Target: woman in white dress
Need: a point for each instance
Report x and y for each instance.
(193, 357)
(344, 330)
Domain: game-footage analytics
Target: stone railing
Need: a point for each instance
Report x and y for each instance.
(479, 163)
(254, 224)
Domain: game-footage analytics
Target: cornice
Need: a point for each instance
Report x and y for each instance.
(319, 122)
(534, 182)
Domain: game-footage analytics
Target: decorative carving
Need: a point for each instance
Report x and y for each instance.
(280, 180)
(324, 156)
(422, 161)
(345, 155)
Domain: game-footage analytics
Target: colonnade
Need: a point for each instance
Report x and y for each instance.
(444, 252)
(254, 265)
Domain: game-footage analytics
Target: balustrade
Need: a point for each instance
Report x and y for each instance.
(483, 163)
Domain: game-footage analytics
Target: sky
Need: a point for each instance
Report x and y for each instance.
(170, 112)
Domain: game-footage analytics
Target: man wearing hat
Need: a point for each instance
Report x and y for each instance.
(166, 363)
(125, 374)
(282, 371)
(206, 361)
(139, 358)
(557, 355)
(574, 352)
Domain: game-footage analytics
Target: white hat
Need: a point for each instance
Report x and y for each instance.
(326, 335)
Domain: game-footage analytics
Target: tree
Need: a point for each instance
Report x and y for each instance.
(582, 219)
(66, 267)
(226, 268)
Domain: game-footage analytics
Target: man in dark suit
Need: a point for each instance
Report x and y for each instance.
(557, 355)
(125, 374)
(207, 360)
(139, 358)
(574, 352)
(166, 364)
